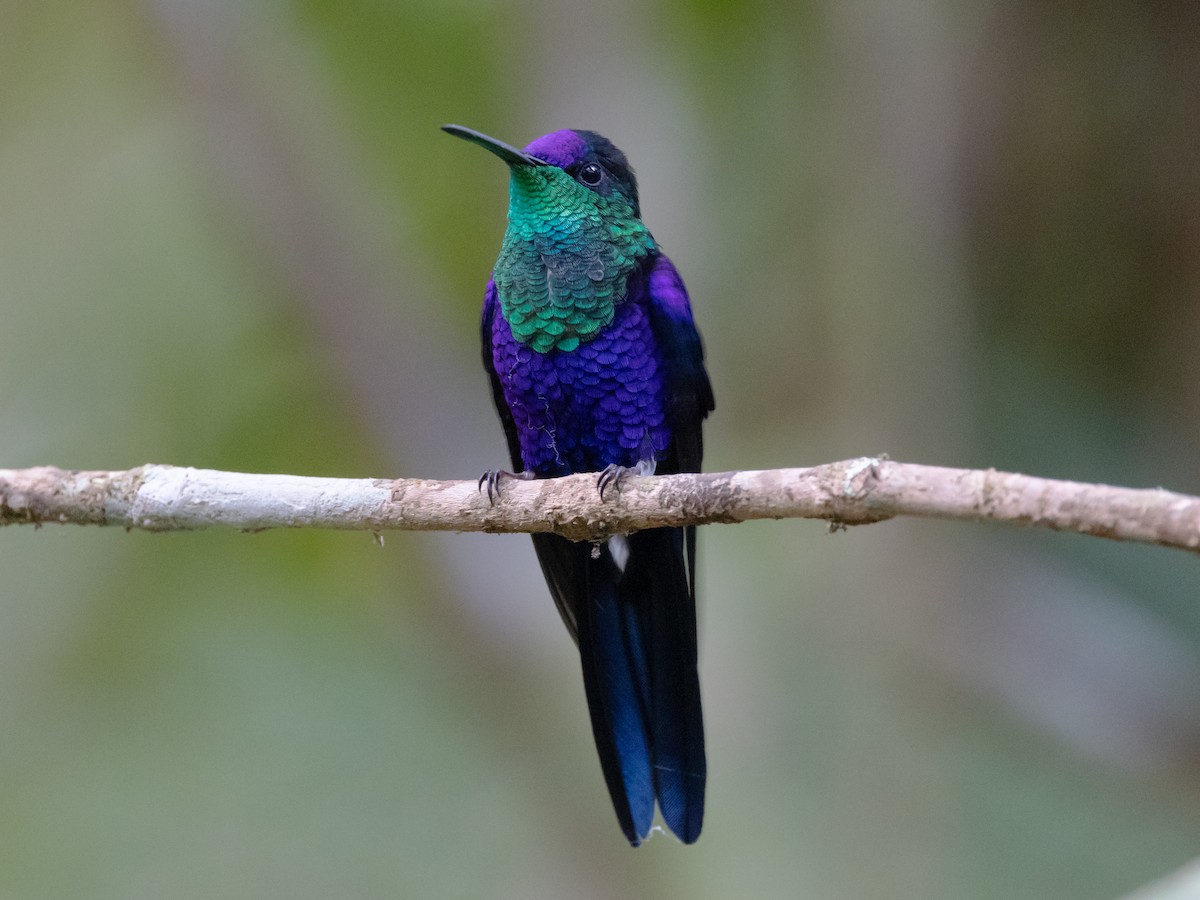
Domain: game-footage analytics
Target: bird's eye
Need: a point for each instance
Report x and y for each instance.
(591, 174)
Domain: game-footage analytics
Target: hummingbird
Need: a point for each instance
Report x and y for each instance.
(596, 365)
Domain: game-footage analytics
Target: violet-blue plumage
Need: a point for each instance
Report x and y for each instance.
(594, 361)
(582, 410)
(559, 148)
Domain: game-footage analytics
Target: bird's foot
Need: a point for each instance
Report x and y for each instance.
(611, 477)
(613, 474)
(491, 481)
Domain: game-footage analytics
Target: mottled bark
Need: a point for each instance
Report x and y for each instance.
(851, 492)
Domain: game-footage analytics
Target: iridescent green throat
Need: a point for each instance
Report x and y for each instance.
(566, 259)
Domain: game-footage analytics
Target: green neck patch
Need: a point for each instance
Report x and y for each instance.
(566, 258)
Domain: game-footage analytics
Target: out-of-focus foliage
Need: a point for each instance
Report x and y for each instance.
(232, 236)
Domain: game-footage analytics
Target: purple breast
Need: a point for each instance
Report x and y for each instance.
(601, 403)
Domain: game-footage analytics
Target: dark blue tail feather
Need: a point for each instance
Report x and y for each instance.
(656, 572)
(614, 678)
(637, 642)
(656, 582)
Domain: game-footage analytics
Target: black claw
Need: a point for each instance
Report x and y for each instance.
(610, 477)
(492, 478)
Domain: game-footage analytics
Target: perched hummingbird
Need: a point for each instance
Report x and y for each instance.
(596, 366)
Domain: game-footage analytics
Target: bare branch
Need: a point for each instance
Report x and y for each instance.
(851, 492)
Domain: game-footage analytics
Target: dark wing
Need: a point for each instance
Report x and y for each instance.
(490, 306)
(689, 393)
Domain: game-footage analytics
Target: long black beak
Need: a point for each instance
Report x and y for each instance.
(510, 155)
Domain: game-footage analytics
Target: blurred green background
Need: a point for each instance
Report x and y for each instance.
(232, 236)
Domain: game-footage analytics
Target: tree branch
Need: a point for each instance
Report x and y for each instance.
(851, 492)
